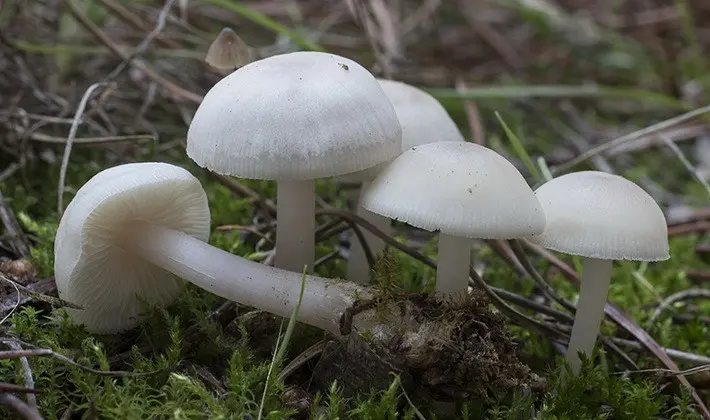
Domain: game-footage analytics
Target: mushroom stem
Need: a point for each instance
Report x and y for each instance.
(590, 309)
(453, 264)
(358, 267)
(295, 226)
(246, 282)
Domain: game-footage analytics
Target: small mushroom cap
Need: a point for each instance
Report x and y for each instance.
(423, 120)
(599, 215)
(458, 188)
(302, 115)
(228, 51)
(93, 272)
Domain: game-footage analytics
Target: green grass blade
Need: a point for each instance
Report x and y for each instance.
(292, 321)
(519, 149)
(558, 91)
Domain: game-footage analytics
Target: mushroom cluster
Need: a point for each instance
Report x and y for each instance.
(135, 232)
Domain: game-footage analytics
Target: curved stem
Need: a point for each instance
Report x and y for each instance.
(453, 265)
(359, 269)
(246, 282)
(590, 309)
(295, 224)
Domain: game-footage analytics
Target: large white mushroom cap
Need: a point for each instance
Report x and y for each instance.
(458, 188)
(96, 274)
(422, 117)
(302, 115)
(599, 215)
(423, 120)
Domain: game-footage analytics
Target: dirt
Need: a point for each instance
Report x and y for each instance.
(446, 351)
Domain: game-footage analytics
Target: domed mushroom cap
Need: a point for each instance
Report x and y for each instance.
(599, 215)
(301, 115)
(422, 117)
(92, 271)
(423, 120)
(459, 188)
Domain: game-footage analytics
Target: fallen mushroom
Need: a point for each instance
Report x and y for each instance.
(294, 118)
(601, 217)
(462, 190)
(423, 120)
(131, 226)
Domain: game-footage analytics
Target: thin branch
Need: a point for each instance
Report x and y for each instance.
(27, 375)
(24, 410)
(629, 137)
(13, 230)
(70, 140)
(101, 36)
(677, 297)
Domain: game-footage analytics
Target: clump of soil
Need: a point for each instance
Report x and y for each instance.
(445, 350)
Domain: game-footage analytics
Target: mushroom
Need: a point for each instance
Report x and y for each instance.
(462, 190)
(294, 118)
(423, 120)
(601, 217)
(227, 52)
(133, 231)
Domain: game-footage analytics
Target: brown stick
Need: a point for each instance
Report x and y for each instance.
(13, 231)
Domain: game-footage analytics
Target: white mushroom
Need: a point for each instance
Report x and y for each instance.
(601, 217)
(131, 233)
(294, 118)
(423, 120)
(462, 190)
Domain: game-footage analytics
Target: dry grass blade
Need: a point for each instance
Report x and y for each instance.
(629, 137)
(40, 289)
(27, 374)
(33, 351)
(675, 298)
(5, 387)
(22, 409)
(136, 22)
(666, 372)
(13, 231)
(70, 139)
(104, 39)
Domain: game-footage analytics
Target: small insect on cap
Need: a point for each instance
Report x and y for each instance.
(458, 188)
(302, 115)
(599, 215)
(91, 270)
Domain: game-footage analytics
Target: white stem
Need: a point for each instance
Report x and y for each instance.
(246, 282)
(590, 309)
(358, 268)
(295, 224)
(453, 264)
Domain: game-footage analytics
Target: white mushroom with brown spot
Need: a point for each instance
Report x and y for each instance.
(132, 232)
(601, 217)
(463, 191)
(295, 118)
(423, 120)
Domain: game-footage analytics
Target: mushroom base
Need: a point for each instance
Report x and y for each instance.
(442, 350)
